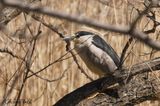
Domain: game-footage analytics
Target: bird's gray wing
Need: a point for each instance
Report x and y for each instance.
(100, 43)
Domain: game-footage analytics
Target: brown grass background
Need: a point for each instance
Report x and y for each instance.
(50, 47)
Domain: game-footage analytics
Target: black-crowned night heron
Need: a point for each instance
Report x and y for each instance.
(98, 55)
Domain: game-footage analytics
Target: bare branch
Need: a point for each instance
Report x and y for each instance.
(28, 64)
(59, 59)
(7, 14)
(14, 80)
(5, 50)
(83, 92)
(82, 20)
(68, 49)
(95, 86)
(132, 94)
(124, 51)
(50, 80)
(145, 11)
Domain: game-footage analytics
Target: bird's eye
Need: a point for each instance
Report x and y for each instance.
(77, 36)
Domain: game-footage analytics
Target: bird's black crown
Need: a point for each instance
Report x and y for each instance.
(82, 33)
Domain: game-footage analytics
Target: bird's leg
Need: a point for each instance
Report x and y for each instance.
(113, 89)
(118, 75)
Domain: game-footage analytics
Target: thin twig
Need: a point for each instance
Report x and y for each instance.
(28, 65)
(139, 16)
(124, 51)
(14, 80)
(67, 45)
(5, 50)
(76, 61)
(133, 25)
(50, 64)
(48, 80)
(127, 30)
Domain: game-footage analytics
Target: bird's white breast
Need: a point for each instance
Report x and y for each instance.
(101, 56)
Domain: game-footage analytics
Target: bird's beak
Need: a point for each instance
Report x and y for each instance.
(69, 38)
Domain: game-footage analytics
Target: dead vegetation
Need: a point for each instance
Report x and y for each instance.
(35, 65)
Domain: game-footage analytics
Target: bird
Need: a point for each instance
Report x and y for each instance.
(95, 52)
(98, 56)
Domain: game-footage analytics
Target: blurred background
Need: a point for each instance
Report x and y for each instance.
(63, 76)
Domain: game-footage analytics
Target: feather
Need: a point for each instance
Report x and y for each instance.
(100, 43)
